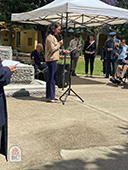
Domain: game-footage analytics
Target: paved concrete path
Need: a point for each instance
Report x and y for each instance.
(74, 136)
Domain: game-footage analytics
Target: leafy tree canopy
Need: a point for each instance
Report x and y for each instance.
(7, 7)
(16, 6)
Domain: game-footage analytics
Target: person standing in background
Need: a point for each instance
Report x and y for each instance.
(52, 50)
(5, 75)
(89, 54)
(75, 54)
(103, 59)
(113, 47)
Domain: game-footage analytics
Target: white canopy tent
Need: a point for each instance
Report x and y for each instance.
(74, 13)
(80, 12)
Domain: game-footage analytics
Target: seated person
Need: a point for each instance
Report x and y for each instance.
(38, 57)
(122, 64)
(39, 60)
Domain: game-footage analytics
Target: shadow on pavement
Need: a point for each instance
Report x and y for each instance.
(78, 81)
(124, 128)
(123, 86)
(75, 164)
(43, 99)
(112, 85)
(115, 160)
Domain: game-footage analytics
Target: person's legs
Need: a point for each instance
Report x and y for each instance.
(50, 85)
(125, 68)
(74, 63)
(43, 76)
(42, 66)
(73, 66)
(104, 66)
(0, 136)
(86, 58)
(114, 65)
(48, 81)
(117, 77)
(117, 73)
(108, 67)
(92, 58)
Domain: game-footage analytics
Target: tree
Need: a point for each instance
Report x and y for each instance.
(123, 4)
(123, 29)
(111, 2)
(7, 7)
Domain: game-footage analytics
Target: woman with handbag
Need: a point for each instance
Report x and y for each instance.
(89, 54)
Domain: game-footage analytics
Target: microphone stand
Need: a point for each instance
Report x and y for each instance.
(69, 90)
(64, 71)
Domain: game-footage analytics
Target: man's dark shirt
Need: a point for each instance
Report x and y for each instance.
(38, 57)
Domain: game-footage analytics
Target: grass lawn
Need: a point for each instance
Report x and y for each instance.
(80, 69)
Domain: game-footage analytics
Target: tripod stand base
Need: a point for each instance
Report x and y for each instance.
(67, 93)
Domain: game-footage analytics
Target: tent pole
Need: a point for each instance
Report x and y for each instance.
(74, 29)
(66, 45)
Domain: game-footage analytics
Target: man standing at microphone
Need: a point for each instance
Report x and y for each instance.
(52, 50)
(5, 75)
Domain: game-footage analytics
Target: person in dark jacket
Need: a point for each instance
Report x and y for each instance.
(113, 49)
(5, 75)
(103, 59)
(38, 57)
(89, 54)
(39, 61)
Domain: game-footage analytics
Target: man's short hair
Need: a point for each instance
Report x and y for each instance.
(76, 35)
(39, 45)
(123, 39)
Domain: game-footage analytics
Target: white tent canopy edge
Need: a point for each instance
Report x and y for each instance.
(80, 12)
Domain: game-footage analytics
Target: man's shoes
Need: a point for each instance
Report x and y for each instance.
(118, 81)
(115, 80)
(56, 99)
(74, 74)
(112, 79)
(51, 101)
(106, 77)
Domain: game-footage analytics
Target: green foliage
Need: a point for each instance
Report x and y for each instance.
(123, 28)
(7, 7)
(98, 68)
(123, 4)
(80, 69)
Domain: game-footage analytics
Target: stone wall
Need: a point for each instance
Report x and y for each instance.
(5, 53)
(24, 74)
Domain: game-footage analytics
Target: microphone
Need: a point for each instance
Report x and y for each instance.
(59, 37)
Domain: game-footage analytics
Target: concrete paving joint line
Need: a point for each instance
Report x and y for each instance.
(101, 111)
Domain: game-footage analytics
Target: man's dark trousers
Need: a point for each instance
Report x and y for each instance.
(0, 136)
(108, 66)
